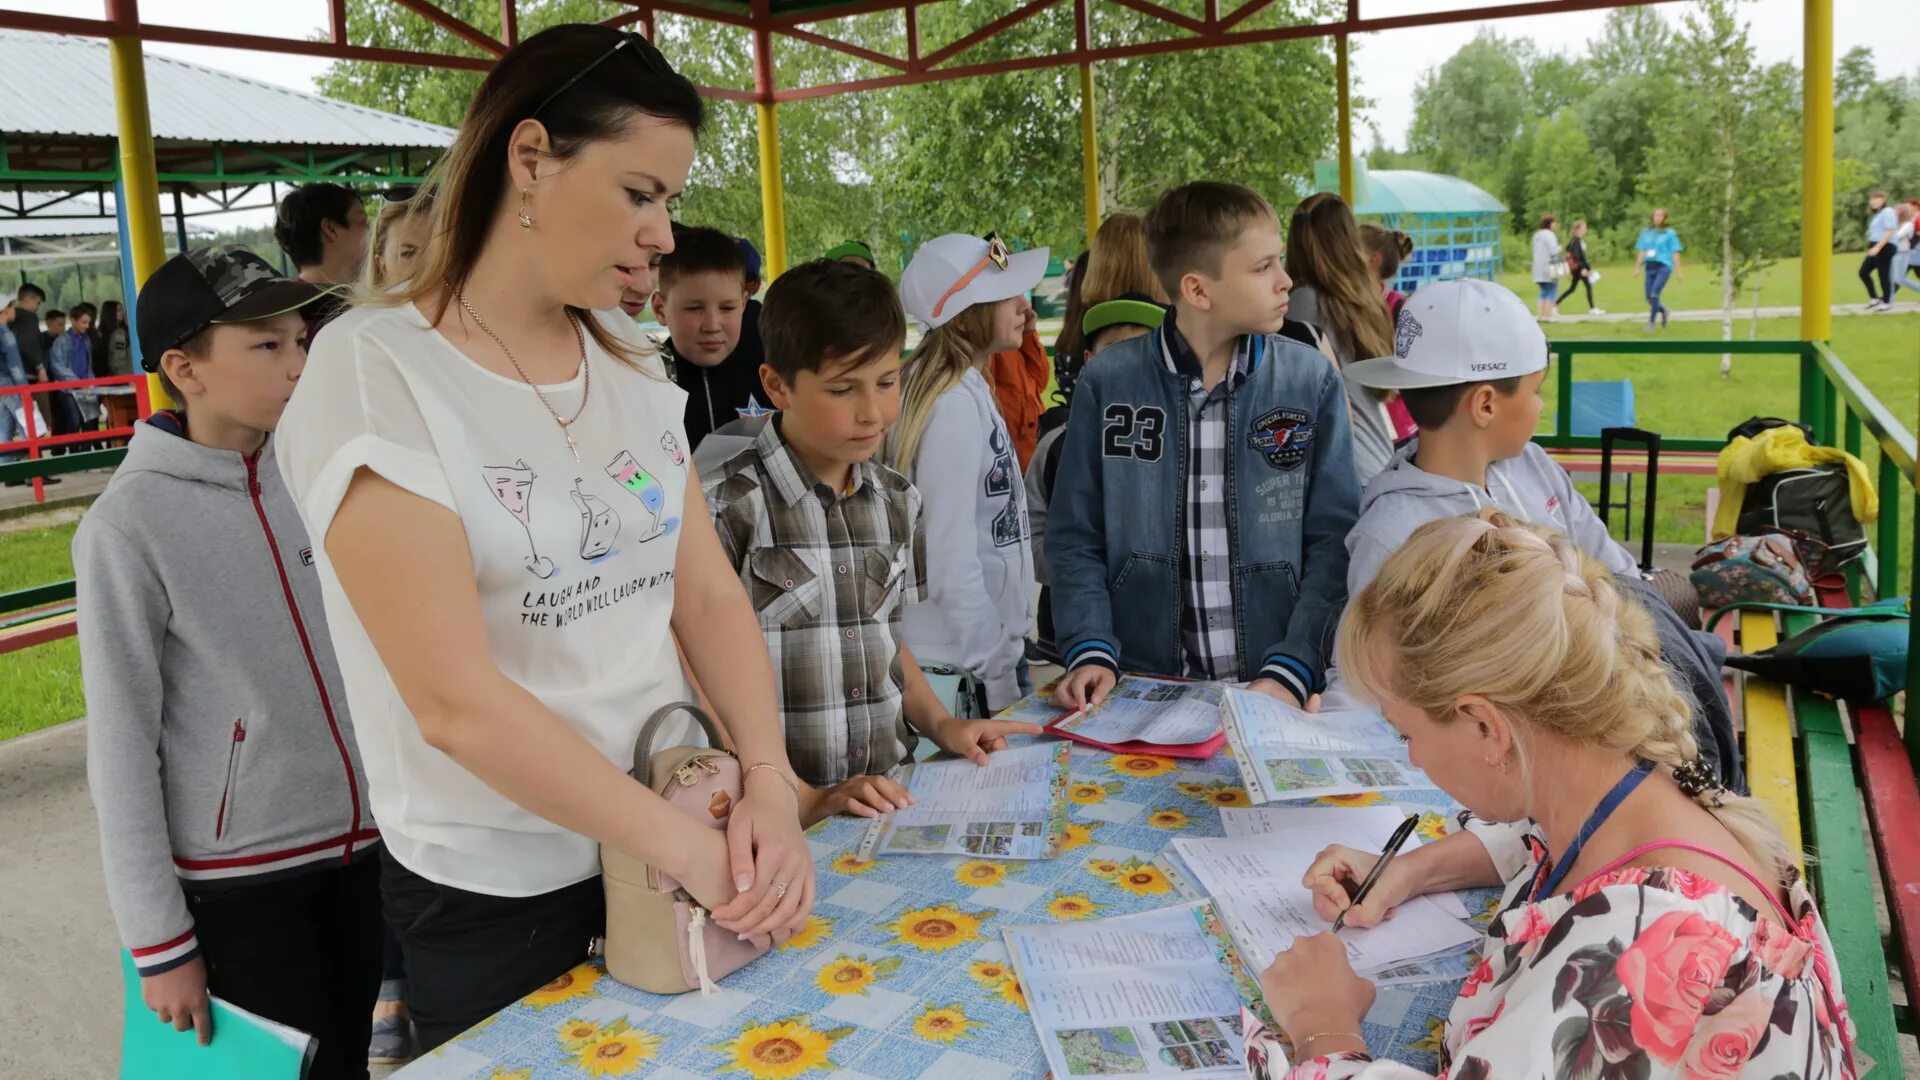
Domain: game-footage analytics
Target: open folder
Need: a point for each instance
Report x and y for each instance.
(244, 1046)
(1168, 717)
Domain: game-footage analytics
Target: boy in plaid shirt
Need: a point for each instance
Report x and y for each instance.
(828, 544)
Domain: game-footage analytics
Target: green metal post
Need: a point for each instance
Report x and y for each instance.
(1851, 428)
(1887, 544)
(1563, 405)
(1809, 390)
(1912, 731)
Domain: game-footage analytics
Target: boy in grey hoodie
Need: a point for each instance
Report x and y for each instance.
(233, 828)
(1469, 361)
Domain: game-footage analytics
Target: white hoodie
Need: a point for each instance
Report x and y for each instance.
(979, 603)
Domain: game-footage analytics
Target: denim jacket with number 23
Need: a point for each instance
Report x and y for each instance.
(1118, 530)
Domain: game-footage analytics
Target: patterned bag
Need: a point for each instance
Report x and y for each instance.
(1750, 568)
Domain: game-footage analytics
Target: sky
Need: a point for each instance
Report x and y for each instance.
(1387, 66)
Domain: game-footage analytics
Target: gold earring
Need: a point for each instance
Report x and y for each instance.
(1498, 763)
(526, 219)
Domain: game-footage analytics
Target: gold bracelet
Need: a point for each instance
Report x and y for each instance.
(1304, 1043)
(788, 780)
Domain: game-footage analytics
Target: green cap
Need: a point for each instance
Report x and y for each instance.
(851, 247)
(1114, 312)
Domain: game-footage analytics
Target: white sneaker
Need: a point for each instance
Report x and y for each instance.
(1598, 311)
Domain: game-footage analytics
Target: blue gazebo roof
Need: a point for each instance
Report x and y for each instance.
(1383, 192)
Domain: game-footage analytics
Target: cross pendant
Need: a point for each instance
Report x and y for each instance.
(568, 435)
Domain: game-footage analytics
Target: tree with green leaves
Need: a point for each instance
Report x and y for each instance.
(1726, 151)
(1468, 111)
(1564, 177)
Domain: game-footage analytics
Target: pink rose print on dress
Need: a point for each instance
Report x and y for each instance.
(1669, 972)
(1727, 1038)
(1479, 977)
(1781, 952)
(1528, 928)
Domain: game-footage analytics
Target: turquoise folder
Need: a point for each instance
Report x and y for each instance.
(244, 1046)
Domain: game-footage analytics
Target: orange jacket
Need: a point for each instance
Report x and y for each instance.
(1019, 378)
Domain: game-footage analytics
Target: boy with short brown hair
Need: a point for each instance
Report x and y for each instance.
(828, 543)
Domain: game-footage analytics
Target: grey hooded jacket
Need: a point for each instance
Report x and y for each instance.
(219, 750)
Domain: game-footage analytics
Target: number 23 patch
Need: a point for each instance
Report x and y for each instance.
(1134, 431)
(1283, 437)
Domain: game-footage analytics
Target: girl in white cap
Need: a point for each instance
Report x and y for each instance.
(970, 294)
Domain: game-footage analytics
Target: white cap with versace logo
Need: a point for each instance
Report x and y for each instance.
(1453, 332)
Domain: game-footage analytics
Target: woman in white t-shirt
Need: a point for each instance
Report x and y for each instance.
(511, 540)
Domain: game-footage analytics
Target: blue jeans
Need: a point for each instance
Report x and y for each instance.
(1657, 274)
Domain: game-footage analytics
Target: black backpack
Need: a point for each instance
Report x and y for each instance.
(1814, 506)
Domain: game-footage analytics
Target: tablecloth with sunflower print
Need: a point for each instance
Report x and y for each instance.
(902, 970)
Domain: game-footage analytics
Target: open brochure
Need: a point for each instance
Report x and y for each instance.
(1255, 881)
(1013, 807)
(1140, 715)
(1285, 752)
(1157, 994)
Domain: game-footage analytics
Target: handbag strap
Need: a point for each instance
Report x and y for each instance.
(1852, 612)
(643, 746)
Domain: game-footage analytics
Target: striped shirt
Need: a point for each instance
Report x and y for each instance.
(828, 573)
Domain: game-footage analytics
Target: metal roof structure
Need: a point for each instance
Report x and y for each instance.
(1403, 191)
(216, 135)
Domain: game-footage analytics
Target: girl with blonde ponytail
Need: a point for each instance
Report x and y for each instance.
(1651, 919)
(970, 295)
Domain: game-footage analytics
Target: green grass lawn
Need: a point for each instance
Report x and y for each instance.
(1698, 288)
(39, 687)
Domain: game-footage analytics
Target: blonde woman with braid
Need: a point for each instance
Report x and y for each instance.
(1652, 920)
(970, 295)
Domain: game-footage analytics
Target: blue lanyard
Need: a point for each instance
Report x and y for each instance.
(1599, 816)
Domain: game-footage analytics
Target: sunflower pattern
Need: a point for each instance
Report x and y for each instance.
(980, 873)
(901, 961)
(1363, 798)
(782, 1050)
(943, 1023)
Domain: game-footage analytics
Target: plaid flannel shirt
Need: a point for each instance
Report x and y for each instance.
(828, 573)
(1207, 620)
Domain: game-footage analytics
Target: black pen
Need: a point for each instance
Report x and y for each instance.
(1394, 844)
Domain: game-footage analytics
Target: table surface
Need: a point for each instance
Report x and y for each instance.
(907, 935)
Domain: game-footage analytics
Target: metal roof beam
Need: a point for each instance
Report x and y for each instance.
(1165, 15)
(459, 28)
(993, 29)
(838, 46)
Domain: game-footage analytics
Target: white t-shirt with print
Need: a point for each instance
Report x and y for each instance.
(573, 559)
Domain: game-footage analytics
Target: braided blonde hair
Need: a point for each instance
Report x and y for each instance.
(1481, 605)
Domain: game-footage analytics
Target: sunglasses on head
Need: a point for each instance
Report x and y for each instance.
(650, 59)
(997, 256)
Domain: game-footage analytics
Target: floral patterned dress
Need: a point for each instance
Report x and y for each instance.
(1637, 974)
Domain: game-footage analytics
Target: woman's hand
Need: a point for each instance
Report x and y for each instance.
(768, 858)
(1337, 873)
(1315, 996)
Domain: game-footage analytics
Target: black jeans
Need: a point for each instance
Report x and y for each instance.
(304, 951)
(469, 955)
(1880, 266)
(1579, 278)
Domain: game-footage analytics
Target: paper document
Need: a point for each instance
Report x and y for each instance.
(1013, 807)
(1141, 995)
(1139, 709)
(1367, 828)
(1285, 752)
(1255, 881)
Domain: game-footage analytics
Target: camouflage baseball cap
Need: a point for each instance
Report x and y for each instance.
(222, 284)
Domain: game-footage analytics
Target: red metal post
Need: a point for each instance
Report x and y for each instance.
(913, 37)
(509, 23)
(337, 21)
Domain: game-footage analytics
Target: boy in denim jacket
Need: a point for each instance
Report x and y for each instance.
(1207, 484)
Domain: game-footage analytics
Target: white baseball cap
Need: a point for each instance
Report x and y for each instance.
(1453, 332)
(951, 273)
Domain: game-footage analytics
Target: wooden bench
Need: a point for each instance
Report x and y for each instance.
(36, 626)
(1813, 769)
(1672, 462)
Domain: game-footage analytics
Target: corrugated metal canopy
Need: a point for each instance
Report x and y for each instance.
(56, 85)
(1403, 191)
(33, 228)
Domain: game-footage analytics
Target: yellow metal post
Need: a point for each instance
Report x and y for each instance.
(1089, 152)
(773, 195)
(1816, 175)
(139, 177)
(1344, 108)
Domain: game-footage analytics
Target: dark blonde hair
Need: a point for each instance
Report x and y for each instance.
(392, 213)
(1391, 245)
(572, 81)
(939, 362)
(1119, 264)
(1520, 616)
(1323, 251)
